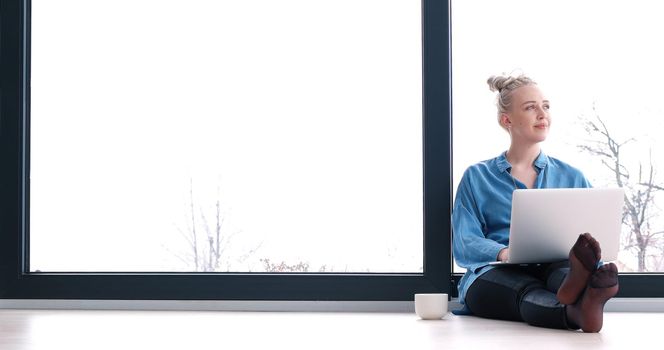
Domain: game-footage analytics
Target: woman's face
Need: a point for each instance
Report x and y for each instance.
(528, 119)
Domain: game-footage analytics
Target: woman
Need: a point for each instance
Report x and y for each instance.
(568, 295)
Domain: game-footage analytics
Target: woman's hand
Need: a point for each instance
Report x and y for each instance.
(504, 254)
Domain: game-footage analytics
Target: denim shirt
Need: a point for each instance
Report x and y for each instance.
(483, 208)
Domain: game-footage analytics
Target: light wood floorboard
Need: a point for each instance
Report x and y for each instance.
(87, 329)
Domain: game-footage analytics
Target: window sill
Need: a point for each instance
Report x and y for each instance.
(614, 305)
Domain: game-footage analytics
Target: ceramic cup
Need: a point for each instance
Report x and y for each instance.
(431, 306)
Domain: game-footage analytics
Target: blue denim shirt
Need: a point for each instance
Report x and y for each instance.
(483, 208)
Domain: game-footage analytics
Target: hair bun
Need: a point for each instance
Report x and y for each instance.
(499, 82)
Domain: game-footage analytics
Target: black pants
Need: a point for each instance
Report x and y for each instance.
(521, 293)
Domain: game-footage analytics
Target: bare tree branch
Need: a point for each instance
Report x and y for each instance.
(651, 186)
(639, 195)
(193, 222)
(207, 239)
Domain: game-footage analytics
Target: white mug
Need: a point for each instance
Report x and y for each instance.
(431, 306)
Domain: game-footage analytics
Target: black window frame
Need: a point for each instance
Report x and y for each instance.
(16, 282)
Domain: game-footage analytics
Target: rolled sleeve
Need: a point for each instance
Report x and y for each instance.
(472, 249)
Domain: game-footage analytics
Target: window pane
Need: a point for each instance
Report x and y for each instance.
(598, 66)
(226, 136)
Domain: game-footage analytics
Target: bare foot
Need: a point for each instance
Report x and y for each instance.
(583, 258)
(588, 312)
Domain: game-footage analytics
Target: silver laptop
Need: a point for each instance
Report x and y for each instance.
(547, 222)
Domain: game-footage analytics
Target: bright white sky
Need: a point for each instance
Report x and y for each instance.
(306, 116)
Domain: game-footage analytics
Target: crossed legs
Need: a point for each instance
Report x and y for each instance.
(555, 297)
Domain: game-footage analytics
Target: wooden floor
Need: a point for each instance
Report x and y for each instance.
(93, 330)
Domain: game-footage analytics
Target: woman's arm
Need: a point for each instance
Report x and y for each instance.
(471, 248)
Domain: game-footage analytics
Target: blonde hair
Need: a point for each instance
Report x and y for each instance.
(505, 85)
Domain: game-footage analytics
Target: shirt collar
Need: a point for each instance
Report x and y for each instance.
(540, 162)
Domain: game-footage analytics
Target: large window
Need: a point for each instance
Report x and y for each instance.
(224, 150)
(596, 62)
(94, 114)
(231, 136)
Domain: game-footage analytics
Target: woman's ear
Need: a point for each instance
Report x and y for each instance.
(505, 121)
